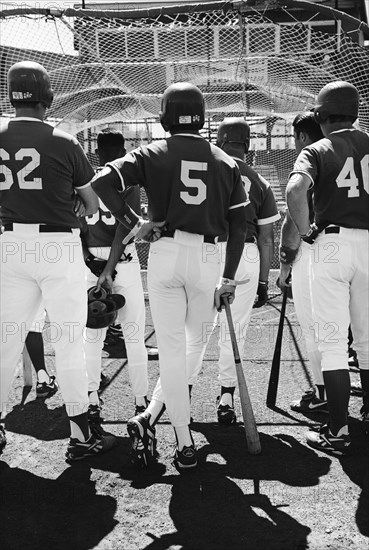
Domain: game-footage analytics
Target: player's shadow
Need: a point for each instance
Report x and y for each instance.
(356, 467)
(66, 512)
(211, 512)
(36, 419)
(282, 457)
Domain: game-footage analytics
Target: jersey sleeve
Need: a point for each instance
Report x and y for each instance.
(268, 212)
(83, 171)
(130, 169)
(306, 163)
(239, 196)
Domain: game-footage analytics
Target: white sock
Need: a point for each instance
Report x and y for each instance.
(184, 438)
(93, 397)
(42, 377)
(226, 399)
(154, 408)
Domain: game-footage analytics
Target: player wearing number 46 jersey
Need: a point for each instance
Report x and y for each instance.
(195, 194)
(42, 172)
(336, 168)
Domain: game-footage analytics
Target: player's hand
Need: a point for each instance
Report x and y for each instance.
(150, 231)
(284, 277)
(224, 292)
(79, 207)
(262, 294)
(106, 280)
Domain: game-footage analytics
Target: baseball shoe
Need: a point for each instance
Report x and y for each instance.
(143, 440)
(225, 413)
(309, 402)
(324, 440)
(2, 439)
(95, 445)
(45, 389)
(186, 458)
(356, 389)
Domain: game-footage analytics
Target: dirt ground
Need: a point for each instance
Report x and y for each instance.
(290, 497)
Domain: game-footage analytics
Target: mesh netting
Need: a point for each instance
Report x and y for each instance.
(111, 68)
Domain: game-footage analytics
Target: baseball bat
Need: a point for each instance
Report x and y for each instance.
(252, 436)
(276, 362)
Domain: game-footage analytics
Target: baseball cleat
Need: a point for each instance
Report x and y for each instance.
(324, 440)
(95, 445)
(2, 439)
(45, 389)
(309, 402)
(225, 413)
(186, 458)
(143, 440)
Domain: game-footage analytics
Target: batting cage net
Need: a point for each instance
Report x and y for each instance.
(263, 60)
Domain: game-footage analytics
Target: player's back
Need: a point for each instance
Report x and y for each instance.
(189, 182)
(42, 166)
(341, 194)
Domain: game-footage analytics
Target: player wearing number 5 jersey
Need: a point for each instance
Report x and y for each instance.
(42, 171)
(195, 191)
(337, 169)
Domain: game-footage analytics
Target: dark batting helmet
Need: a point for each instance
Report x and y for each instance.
(336, 98)
(233, 130)
(28, 82)
(102, 307)
(182, 104)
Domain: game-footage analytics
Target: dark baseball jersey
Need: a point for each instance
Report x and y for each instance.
(338, 167)
(263, 208)
(99, 229)
(189, 182)
(41, 167)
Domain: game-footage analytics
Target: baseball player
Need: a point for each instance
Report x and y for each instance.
(116, 265)
(42, 170)
(336, 168)
(306, 131)
(234, 138)
(194, 194)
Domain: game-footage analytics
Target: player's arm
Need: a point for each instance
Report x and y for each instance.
(235, 244)
(108, 185)
(288, 249)
(117, 248)
(297, 201)
(89, 199)
(266, 252)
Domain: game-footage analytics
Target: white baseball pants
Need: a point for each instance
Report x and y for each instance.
(48, 269)
(340, 295)
(183, 272)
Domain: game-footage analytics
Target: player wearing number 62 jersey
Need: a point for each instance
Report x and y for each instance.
(195, 194)
(42, 171)
(336, 168)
